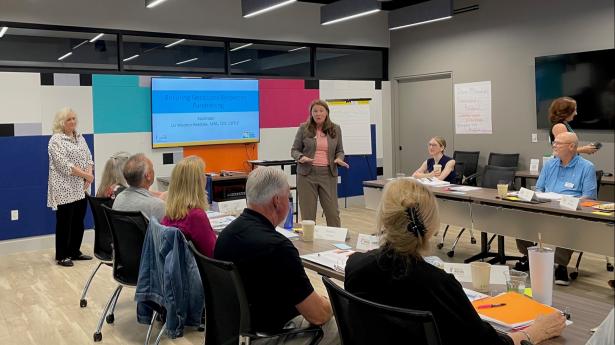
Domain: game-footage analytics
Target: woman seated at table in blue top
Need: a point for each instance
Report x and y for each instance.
(397, 275)
(439, 165)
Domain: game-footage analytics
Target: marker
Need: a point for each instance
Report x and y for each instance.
(486, 306)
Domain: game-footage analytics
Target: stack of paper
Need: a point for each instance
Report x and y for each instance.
(287, 233)
(334, 259)
(464, 188)
(219, 223)
(433, 182)
(548, 196)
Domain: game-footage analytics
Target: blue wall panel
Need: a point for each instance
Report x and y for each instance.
(362, 168)
(120, 104)
(23, 186)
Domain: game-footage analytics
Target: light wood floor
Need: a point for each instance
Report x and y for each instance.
(39, 300)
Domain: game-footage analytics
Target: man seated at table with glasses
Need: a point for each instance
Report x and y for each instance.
(277, 287)
(569, 174)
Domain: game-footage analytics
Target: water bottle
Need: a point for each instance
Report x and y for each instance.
(288, 224)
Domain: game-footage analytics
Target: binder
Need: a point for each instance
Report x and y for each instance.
(519, 310)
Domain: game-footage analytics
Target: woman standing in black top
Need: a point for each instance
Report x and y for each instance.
(396, 274)
(562, 111)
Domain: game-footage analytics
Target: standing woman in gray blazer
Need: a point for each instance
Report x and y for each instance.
(318, 150)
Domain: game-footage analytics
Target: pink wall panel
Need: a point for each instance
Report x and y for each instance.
(284, 103)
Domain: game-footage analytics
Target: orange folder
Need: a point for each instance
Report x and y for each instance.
(518, 311)
(589, 203)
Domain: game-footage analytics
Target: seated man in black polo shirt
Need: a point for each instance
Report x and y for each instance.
(276, 285)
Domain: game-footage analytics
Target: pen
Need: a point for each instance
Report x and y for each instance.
(485, 306)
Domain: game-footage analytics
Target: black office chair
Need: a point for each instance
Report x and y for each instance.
(609, 265)
(227, 310)
(128, 233)
(469, 161)
(362, 322)
(510, 160)
(490, 178)
(103, 249)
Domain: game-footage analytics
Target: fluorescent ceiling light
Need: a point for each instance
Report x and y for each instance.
(294, 50)
(174, 43)
(241, 47)
(131, 58)
(153, 3)
(80, 44)
(343, 10)
(242, 61)
(65, 56)
(186, 61)
(251, 8)
(96, 38)
(421, 13)
(350, 17)
(421, 23)
(3, 31)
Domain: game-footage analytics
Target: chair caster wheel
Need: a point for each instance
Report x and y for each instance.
(473, 240)
(450, 254)
(97, 336)
(609, 267)
(574, 275)
(110, 318)
(83, 303)
(440, 245)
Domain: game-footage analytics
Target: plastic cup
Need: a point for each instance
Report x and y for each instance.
(541, 273)
(502, 190)
(437, 168)
(515, 281)
(481, 274)
(307, 227)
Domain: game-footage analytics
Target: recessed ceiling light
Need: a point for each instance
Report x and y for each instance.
(420, 23)
(131, 58)
(239, 62)
(186, 61)
(96, 38)
(241, 47)
(251, 8)
(174, 43)
(65, 56)
(294, 50)
(3, 31)
(153, 3)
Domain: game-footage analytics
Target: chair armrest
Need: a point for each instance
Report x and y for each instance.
(470, 180)
(314, 332)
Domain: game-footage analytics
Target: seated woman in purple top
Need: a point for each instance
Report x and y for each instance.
(186, 203)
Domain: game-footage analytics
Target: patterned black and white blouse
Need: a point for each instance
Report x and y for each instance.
(66, 152)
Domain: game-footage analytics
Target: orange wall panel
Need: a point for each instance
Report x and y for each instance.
(224, 157)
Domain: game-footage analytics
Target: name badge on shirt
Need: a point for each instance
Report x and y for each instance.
(569, 185)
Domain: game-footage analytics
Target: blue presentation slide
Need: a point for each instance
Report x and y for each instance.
(188, 112)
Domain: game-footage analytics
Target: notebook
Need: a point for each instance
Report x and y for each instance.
(518, 311)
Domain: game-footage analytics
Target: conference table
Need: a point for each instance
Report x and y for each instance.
(523, 175)
(585, 313)
(583, 229)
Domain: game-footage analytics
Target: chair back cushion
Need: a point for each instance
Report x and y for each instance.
(503, 159)
(103, 250)
(361, 322)
(469, 159)
(492, 175)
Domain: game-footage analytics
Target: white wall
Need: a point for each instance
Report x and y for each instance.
(499, 43)
(296, 22)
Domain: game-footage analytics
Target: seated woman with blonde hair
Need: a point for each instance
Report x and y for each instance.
(438, 165)
(113, 181)
(186, 204)
(397, 275)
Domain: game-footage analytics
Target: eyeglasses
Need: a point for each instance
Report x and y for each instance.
(432, 145)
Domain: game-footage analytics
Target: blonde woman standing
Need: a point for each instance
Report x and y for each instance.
(70, 175)
(397, 275)
(186, 204)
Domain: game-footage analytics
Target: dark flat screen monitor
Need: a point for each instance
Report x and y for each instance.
(588, 77)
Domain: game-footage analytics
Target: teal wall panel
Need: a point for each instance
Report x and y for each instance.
(120, 104)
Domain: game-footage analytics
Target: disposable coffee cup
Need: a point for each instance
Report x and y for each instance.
(541, 273)
(481, 274)
(307, 227)
(437, 168)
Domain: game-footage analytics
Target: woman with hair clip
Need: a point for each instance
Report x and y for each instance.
(318, 150)
(113, 181)
(186, 204)
(397, 275)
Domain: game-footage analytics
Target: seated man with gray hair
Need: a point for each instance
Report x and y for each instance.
(569, 174)
(277, 287)
(139, 174)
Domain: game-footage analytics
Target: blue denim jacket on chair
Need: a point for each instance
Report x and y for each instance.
(169, 277)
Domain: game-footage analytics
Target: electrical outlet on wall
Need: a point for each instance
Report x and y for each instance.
(14, 215)
(534, 137)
